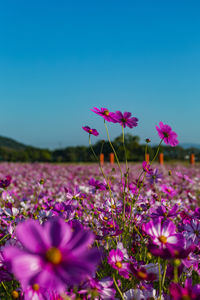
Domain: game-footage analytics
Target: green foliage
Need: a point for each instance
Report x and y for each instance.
(11, 150)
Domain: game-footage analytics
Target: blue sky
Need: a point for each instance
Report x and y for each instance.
(58, 59)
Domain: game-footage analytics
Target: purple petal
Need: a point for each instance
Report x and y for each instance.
(59, 233)
(32, 236)
(79, 242)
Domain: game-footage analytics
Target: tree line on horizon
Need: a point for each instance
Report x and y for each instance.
(135, 152)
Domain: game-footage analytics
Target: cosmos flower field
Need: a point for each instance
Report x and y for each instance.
(92, 231)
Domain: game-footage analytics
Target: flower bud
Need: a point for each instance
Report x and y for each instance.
(177, 262)
(149, 255)
(148, 141)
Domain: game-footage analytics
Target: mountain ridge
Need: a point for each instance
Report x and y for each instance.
(11, 143)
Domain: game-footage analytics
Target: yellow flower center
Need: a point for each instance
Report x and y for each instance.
(35, 287)
(105, 218)
(90, 131)
(54, 255)
(163, 239)
(176, 252)
(106, 112)
(123, 120)
(118, 264)
(142, 275)
(15, 294)
(142, 287)
(113, 206)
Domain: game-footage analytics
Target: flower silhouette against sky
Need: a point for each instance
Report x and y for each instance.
(125, 119)
(105, 113)
(90, 130)
(167, 135)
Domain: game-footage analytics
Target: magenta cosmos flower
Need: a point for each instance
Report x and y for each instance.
(188, 292)
(90, 130)
(167, 135)
(146, 167)
(53, 255)
(116, 260)
(105, 113)
(142, 274)
(97, 184)
(168, 190)
(4, 183)
(163, 233)
(154, 176)
(125, 119)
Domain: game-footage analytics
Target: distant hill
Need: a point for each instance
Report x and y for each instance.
(11, 150)
(11, 144)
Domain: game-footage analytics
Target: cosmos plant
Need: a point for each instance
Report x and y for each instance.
(126, 231)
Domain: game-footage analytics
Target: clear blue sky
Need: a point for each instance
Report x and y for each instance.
(58, 59)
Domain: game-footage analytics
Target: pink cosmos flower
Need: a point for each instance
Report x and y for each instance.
(164, 212)
(90, 130)
(4, 183)
(192, 231)
(124, 119)
(116, 260)
(163, 233)
(141, 293)
(172, 252)
(142, 274)
(188, 292)
(154, 176)
(97, 184)
(168, 190)
(52, 255)
(146, 167)
(165, 132)
(105, 113)
(35, 292)
(102, 289)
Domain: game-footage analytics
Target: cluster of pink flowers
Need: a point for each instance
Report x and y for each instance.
(75, 232)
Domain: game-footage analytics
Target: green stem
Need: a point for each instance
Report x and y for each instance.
(116, 157)
(175, 274)
(160, 278)
(5, 288)
(115, 282)
(107, 182)
(126, 177)
(137, 194)
(4, 237)
(156, 152)
(145, 150)
(164, 273)
(138, 232)
(124, 149)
